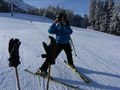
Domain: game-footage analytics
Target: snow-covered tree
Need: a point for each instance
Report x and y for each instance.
(105, 16)
(110, 8)
(115, 20)
(109, 4)
(99, 13)
(92, 12)
(85, 21)
(4, 6)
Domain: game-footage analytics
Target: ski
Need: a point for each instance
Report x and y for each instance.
(84, 78)
(53, 79)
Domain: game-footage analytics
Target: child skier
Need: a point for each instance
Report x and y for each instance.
(62, 29)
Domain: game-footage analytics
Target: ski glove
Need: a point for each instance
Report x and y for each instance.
(50, 51)
(13, 50)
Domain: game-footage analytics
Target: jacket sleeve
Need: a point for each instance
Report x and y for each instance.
(68, 30)
(52, 29)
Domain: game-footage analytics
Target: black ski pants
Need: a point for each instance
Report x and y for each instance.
(59, 48)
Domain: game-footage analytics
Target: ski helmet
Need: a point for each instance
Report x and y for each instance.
(61, 15)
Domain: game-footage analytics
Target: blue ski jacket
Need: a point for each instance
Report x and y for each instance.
(62, 32)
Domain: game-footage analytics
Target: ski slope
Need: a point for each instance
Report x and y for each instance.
(98, 56)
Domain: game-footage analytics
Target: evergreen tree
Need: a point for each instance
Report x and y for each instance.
(109, 4)
(92, 12)
(110, 8)
(4, 6)
(99, 13)
(115, 20)
(85, 21)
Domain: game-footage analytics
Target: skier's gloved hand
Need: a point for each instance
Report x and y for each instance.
(50, 58)
(50, 51)
(52, 48)
(13, 49)
(13, 62)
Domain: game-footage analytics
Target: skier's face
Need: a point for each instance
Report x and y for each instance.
(60, 20)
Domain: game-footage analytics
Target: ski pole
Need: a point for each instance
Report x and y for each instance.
(13, 49)
(17, 77)
(73, 46)
(49, 67)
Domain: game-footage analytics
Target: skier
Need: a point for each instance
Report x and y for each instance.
(62, 29)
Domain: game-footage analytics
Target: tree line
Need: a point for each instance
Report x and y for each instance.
(51, 12)
(4, 6)
(104, 16)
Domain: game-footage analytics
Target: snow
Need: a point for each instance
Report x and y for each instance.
(98, 56)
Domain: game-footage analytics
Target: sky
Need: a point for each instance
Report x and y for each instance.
(78, 6)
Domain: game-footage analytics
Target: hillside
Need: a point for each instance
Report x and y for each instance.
(98, 56)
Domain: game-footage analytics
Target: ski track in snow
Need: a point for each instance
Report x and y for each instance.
(96, 56)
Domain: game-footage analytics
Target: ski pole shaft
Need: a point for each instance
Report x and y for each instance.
(17, 77)
(49, 67)
(73, 47)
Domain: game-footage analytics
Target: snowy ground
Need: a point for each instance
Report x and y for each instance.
(98, 56)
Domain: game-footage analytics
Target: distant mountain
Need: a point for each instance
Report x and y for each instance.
(21, 4)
